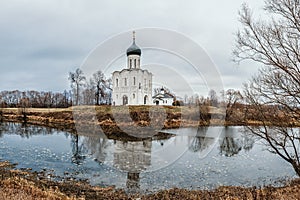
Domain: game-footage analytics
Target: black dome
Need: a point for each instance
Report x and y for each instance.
(133, 50)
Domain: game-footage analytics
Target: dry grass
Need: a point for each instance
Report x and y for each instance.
(40, 110)
(16, 188)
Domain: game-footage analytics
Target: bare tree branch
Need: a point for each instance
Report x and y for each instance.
(273, 95)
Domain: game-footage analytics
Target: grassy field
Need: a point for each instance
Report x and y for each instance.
(106, 109)
(171, 116)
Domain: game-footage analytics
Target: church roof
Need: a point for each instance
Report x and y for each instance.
(134, 49)
(131, 70)
(162, 96)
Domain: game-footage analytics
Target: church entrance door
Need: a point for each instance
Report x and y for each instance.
(125, 100)
(145, 100)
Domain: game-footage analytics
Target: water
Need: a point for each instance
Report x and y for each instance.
(202, 158)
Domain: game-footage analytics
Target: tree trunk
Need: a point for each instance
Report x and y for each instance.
(77, 95)
(296, 168)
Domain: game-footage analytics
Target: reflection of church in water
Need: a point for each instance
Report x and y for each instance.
(132, 157)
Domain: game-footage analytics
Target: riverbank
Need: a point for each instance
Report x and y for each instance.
(24, 184)
(116, 122)
(130, 123)
(110, 117)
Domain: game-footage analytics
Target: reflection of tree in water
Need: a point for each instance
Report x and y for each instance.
(232, 143)
(197, 144)
(97, 146)
(230, 146)
(248, 141)
(25, 130)
(200, 142)
(78, 150)
(1, 129)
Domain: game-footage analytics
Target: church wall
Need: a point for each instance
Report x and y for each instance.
(134, 84)
(164, 101)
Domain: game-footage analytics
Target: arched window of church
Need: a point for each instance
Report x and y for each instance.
(133, 96)
(117, 82)
(133, 80)
(134, 63)
(140, 85)
(125, 81)
(130, 63)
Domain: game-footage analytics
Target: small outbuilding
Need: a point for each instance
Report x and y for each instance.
(163, 98)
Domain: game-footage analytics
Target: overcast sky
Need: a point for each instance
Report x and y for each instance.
(41, 41)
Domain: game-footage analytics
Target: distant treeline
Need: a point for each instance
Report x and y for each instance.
(95, 91)
(35, 99)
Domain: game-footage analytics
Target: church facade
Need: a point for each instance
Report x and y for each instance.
(132, 85)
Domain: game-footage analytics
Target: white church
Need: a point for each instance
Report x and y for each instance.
(132, 85)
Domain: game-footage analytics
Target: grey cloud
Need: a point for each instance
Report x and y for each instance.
(41, 41)
(55, 53)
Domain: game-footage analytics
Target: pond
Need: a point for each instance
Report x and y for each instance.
(191, 158)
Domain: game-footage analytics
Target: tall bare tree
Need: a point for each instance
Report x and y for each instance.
(77, 80)
(274, 94)
(231, 99)
(213, 97)
(99, 82)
